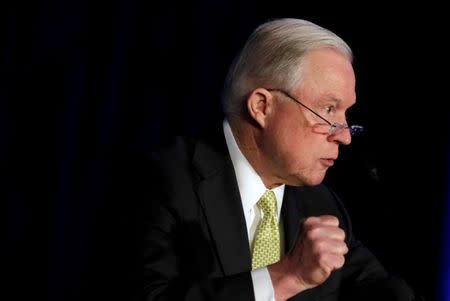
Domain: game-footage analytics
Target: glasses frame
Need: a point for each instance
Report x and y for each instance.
(335, 127)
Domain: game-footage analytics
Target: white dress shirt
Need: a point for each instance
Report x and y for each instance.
(251, 188)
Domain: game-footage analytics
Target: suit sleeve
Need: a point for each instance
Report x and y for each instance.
(169, 272)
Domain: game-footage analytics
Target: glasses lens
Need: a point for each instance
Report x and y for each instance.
(356, 129)
(336, 129)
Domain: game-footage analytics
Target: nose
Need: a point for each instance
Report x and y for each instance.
(341, 136)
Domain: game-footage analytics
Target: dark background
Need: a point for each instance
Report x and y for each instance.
(87, 86)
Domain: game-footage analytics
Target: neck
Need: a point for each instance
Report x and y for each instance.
(248, 137)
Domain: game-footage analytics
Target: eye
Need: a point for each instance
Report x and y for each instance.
(329, 109)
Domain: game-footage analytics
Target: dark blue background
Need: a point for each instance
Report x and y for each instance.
(87, 86)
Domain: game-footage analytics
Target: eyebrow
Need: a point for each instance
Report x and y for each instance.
(336, 100)
(332, 98)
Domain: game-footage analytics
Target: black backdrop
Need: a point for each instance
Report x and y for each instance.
(86, 86)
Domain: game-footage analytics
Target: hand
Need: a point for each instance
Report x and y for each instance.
(319, 250)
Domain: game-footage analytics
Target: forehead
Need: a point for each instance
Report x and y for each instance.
(328, 75)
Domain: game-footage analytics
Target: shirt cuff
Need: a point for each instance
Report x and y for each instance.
(262, 285)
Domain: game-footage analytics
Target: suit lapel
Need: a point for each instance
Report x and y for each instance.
(298, 203)
(291, 216)
(220, 198)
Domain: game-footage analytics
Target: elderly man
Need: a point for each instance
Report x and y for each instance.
(242, 215)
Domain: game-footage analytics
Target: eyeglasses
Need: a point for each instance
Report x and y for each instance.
(328, 128)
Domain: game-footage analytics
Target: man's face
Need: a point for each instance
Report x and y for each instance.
(298, 154)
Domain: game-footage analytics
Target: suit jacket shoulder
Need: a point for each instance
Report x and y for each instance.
(196, 245)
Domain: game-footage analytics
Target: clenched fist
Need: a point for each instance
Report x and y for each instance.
(319, 250)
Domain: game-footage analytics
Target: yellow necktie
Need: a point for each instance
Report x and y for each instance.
(266, 244)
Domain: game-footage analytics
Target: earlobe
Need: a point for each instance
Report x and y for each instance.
(259, 105)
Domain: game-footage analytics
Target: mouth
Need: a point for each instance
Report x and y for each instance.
(328, 162)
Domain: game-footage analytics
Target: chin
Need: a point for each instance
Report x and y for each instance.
(316, 182)
(314, 179)
(318, 179)
(307, 181)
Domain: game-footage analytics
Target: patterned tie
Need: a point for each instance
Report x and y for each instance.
(266, 244)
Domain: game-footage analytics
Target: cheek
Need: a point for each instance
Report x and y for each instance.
(292, 143)
(293, 148)
(286, 137)
(303, 150)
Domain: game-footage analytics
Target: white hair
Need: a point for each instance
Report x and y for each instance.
(272, 58)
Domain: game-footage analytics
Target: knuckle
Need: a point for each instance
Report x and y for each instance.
(341, 233)
(309, 235)
(341, 247)
(325, 271)
(313, 232)
(310, 221)
(327, 261)
(318, 247)
(322, 259)
(331, 219)
(341, 262)
(345, 247)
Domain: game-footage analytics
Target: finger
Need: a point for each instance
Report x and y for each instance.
(331, 261)
(325, 246)
(328, 220)
(334, 233)
(319, 231)
(338, 247)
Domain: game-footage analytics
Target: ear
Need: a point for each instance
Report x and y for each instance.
(260, 105)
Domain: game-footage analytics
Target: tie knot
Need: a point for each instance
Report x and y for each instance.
(268, 203)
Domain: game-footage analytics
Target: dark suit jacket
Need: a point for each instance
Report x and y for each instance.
(196, 245)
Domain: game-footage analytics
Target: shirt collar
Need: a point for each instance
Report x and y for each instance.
(250, 184)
